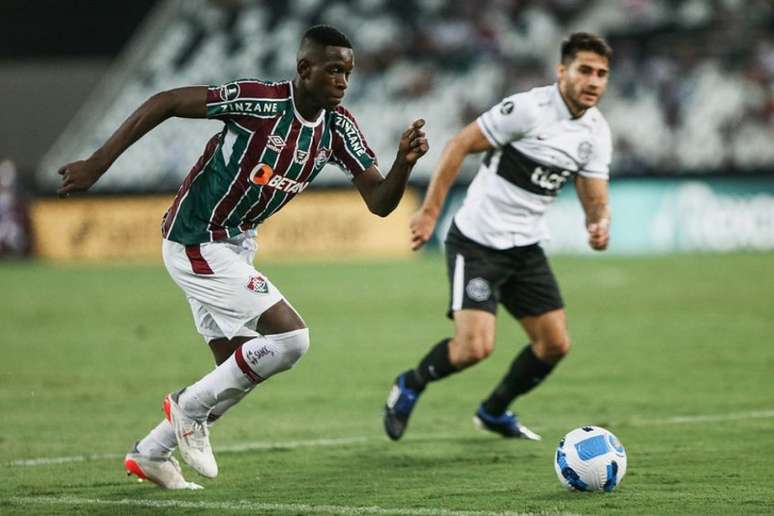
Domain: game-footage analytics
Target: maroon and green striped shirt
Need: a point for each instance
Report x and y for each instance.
(265, 155)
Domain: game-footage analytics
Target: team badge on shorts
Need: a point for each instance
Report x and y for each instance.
(478, 289)
(258, 284)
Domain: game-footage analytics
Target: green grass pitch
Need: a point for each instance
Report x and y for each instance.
(673, 354)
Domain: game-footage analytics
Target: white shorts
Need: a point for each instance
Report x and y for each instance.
(226, 293)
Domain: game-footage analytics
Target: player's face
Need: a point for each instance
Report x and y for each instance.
(328, 75)
(584, 80)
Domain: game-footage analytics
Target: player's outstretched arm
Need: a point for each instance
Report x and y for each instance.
(469, 140)
(593, 196)
(188, 102)
(382, 194)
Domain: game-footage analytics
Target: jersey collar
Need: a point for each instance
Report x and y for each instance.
(561, 105)
(300, 118)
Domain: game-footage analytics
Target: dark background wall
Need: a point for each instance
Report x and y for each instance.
(52, 55)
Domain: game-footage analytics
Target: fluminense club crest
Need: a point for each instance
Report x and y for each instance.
(322, 157)
(258, 284)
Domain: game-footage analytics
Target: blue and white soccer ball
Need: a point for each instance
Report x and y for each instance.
(590, 458)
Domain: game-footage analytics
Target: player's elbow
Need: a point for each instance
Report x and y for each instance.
(381, 211)
(381, 207)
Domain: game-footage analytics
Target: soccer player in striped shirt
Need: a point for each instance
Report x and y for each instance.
(277, 137)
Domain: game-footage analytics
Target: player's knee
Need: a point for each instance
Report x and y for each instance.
(474, 347)
(555, 349)
(292, 346)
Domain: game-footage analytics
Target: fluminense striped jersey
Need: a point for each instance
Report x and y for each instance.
(265, 155)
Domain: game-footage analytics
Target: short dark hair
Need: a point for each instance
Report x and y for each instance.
(579, 41)
(326, 35)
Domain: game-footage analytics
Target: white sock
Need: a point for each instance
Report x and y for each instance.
(160, 442)
(253, 362)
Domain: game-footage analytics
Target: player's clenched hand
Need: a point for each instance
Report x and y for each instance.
(422, 225)
(413, 143)
(599, 234)
(79, 176)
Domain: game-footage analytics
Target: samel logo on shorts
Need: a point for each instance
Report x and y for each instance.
(478, 289)
(258, 284)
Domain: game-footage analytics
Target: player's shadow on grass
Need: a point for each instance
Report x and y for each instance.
(428, 453)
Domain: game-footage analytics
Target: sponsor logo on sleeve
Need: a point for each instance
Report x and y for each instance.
(229, 92)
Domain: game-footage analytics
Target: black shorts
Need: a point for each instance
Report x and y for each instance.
(480, 277)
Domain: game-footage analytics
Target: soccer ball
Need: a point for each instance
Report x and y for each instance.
(590, 459)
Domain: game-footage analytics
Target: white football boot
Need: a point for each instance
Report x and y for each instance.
(193, 439)
(165, 473)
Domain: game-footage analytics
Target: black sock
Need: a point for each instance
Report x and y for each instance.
(526, 372)
(434, 366)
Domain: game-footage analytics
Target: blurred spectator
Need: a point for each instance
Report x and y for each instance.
(14, 220)
(691, 83)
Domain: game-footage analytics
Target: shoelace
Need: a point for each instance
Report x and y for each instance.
(197, 435)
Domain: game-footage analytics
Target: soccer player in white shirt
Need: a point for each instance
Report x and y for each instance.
(534, 142)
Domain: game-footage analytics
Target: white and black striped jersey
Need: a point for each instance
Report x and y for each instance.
(538, 147)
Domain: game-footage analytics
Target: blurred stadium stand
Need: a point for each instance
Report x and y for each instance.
(692, 88)
(52, 54)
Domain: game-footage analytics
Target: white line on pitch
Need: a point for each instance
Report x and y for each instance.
(344, 441)
(706, 418)
(311, 443)
(246, 505)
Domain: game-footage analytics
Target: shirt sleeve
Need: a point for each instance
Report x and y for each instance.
(509, 120)
(244, 98)
(598, 165)
(350, 149)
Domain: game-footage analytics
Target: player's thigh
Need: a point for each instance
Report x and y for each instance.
(547, 329)
(474, 330)
(280, 318)
(475, 274)
(226, 290)
(532, 289)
